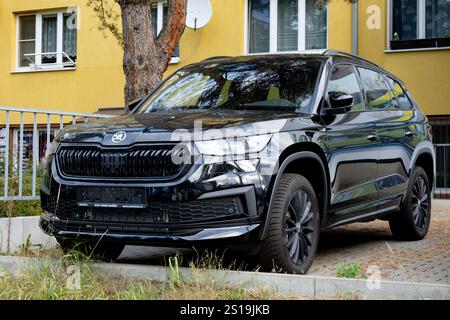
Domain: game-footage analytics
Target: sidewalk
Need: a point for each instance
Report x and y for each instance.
(369, 244)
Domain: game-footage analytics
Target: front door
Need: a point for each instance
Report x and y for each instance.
(351, 145)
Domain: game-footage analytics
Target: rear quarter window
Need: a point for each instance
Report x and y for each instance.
(378, 94)
(400, 95)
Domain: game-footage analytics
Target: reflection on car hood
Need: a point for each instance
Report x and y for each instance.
(161, 125)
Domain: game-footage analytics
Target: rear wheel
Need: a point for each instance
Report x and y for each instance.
(414, 219)
(106, 251)
(293, 234)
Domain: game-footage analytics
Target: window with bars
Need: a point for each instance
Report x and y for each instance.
(441, 141)
(28, 142)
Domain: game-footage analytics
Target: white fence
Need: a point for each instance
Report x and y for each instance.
(39, 136)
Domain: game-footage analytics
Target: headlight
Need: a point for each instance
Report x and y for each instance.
(236, 146)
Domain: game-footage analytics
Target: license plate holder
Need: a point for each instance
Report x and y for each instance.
(112, 197)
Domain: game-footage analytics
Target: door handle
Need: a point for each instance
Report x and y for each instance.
(409, 134)
(371, 137)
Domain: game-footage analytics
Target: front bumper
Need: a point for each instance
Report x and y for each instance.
(202, 235)
(203, 210)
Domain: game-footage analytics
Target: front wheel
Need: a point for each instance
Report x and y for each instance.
(293, 234)
(414, 219)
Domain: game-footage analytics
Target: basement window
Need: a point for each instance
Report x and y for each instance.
(159, 14)
(417, 24)
(46, 41)
(28, 144)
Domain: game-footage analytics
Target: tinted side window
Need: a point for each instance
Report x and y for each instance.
(402, 100)
(377, 92)
(343, 79)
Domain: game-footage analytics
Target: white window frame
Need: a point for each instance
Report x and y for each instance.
(421, 27)
(160, 23)
(38, 66)
(273, 24)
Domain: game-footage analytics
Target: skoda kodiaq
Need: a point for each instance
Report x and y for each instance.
(253, 153)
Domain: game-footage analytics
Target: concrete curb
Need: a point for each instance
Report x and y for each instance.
(14, 232)
(284, 284)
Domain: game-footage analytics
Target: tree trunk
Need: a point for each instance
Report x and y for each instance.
(145, 57)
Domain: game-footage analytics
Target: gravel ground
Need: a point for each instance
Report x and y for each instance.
(369, 244)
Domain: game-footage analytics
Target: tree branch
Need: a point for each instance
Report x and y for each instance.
(170, 35)
(108, 18)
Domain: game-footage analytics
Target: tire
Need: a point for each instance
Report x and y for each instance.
(105, 251)
(289, 232)
(414, 218)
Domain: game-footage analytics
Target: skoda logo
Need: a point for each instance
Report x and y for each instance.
(119, 137)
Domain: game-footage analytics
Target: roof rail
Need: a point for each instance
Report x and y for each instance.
(343, 53)
(215, 58)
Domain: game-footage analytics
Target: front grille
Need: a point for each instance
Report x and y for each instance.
(170, 212)
(137, 162)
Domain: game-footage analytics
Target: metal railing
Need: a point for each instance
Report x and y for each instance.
(18, 173)
(441, 185)
(442, 180)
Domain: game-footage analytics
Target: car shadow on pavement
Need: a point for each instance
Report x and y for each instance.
(353, 235)
(341, 238)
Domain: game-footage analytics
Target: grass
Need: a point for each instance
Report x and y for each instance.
(75, 279)
(51, 283)
(55, 281)
(351, 270)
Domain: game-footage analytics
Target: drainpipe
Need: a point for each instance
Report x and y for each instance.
(355, 28)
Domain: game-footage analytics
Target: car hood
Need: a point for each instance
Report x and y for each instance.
(169, 126)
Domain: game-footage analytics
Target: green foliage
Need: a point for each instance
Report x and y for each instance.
(173, 273)
(352, 270)
(28, 247)
(20, 208)
(108, 15)
(25, 247)
(321, 3)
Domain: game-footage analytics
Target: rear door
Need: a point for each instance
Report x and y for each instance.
(351, 145)
(394, 119)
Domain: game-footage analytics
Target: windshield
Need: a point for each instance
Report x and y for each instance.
(275, 85)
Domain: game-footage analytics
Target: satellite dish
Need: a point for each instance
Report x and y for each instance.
(198, 14)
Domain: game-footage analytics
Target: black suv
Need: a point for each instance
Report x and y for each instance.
(253, 153)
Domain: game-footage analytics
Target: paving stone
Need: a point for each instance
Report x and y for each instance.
(427, 260)
(369, 244)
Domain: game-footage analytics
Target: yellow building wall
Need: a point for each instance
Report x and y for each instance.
(340, 25)
(98, 79)
(95, 83)
(425, 73)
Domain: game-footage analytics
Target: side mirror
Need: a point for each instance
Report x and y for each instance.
(133, 104)
(339, 102)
